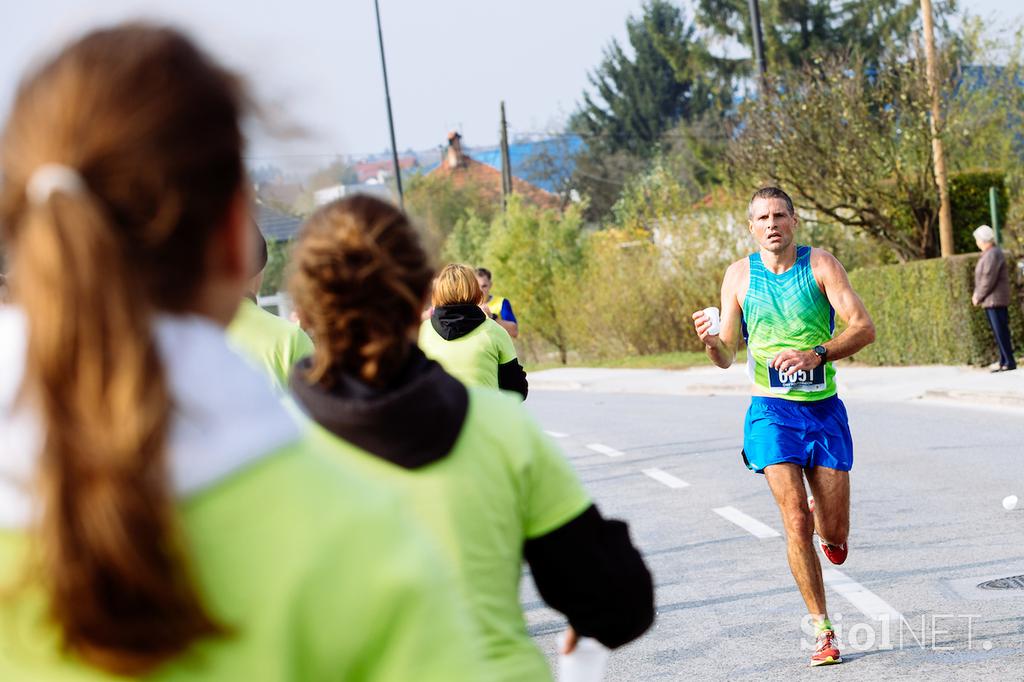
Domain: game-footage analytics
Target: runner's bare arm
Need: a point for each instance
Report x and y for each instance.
(721, 348)
(860, 330)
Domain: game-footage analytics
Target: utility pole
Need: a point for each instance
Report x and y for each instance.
(755, 30)
(945, 214)
(387, 98)
(506, 163)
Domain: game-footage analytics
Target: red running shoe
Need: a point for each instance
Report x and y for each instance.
(826, 652)
(835, 553)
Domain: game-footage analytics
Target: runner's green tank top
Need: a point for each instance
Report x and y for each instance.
(787, 312)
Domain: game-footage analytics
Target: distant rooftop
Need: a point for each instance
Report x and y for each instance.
(275, 225)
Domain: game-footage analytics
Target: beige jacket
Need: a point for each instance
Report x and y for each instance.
(991, 279)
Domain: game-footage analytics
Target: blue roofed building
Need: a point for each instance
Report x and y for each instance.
(555, 154)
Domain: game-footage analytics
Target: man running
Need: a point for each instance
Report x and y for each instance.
(784, 299)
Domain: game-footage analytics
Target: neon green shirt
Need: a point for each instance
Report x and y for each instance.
(473, 359)
(503, 482)
(312, 568)
(273, 343)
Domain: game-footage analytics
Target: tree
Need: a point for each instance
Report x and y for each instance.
(551, 166)
(278, 254)
(601, 176)
(467, 242)
(536, 254)
(638, 98)
(850, 144)
(439, 204)
(797, 31)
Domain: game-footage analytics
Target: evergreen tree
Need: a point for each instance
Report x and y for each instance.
(795, 31)
(637, 99)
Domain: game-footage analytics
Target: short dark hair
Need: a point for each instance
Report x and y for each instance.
(483, 272)
(769, 193)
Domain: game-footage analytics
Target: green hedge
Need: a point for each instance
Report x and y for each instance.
(923, 314)
(969, 204)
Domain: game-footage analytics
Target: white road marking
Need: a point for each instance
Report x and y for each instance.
(666, 478)
(605, 450)
(557, 434)
(747, 523)
(866, 601)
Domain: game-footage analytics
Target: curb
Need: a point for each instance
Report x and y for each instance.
(1007, 399)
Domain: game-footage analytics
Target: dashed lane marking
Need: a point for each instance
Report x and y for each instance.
(604, 450)
(666, 478)
(866, 601)
(747, 523)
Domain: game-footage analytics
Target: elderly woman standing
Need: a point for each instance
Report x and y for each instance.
(992, 292)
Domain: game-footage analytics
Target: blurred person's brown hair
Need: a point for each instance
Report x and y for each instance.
(456, 284)
(360, 276)
(149, 127)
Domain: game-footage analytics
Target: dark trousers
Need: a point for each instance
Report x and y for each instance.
(999, 320)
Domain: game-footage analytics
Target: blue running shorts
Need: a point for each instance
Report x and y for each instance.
(809, 434)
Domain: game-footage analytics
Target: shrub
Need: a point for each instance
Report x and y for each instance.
(923, 314)
(969, 202)
(535, 256)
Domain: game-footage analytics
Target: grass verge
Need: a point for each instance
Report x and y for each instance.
(677, 360)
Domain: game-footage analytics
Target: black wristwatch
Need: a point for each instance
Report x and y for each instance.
(493, 316)
(822, 354)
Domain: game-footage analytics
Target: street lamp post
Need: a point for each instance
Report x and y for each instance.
(387, 99)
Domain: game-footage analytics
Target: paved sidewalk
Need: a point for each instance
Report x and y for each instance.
(939, 383)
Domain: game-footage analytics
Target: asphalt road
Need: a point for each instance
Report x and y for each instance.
(927, 521)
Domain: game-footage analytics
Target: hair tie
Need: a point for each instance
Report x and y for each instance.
(50, 178)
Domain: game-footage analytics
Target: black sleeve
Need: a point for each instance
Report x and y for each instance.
(589, 570)
(512, 377)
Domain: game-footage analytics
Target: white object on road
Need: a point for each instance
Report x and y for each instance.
(586, 663)
(716, 323)
(1010, 502)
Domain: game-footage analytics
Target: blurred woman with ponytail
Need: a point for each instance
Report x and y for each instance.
(161, 512)
(478, 470)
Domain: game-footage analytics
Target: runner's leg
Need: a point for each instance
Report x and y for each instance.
(787, 485)
(831, 490)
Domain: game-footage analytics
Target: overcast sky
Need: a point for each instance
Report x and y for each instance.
(450, 62)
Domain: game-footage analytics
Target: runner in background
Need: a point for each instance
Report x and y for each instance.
(784, 300)
(500, 308)
(161, 513)
(490, 485)
(470, 347)
(271, 342)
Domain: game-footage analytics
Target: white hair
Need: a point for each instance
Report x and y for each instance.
(985, 234)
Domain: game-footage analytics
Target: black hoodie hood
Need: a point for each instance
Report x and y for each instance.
(412, 422)
(455, 321)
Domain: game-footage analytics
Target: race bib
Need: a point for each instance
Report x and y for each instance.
(807, 380)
